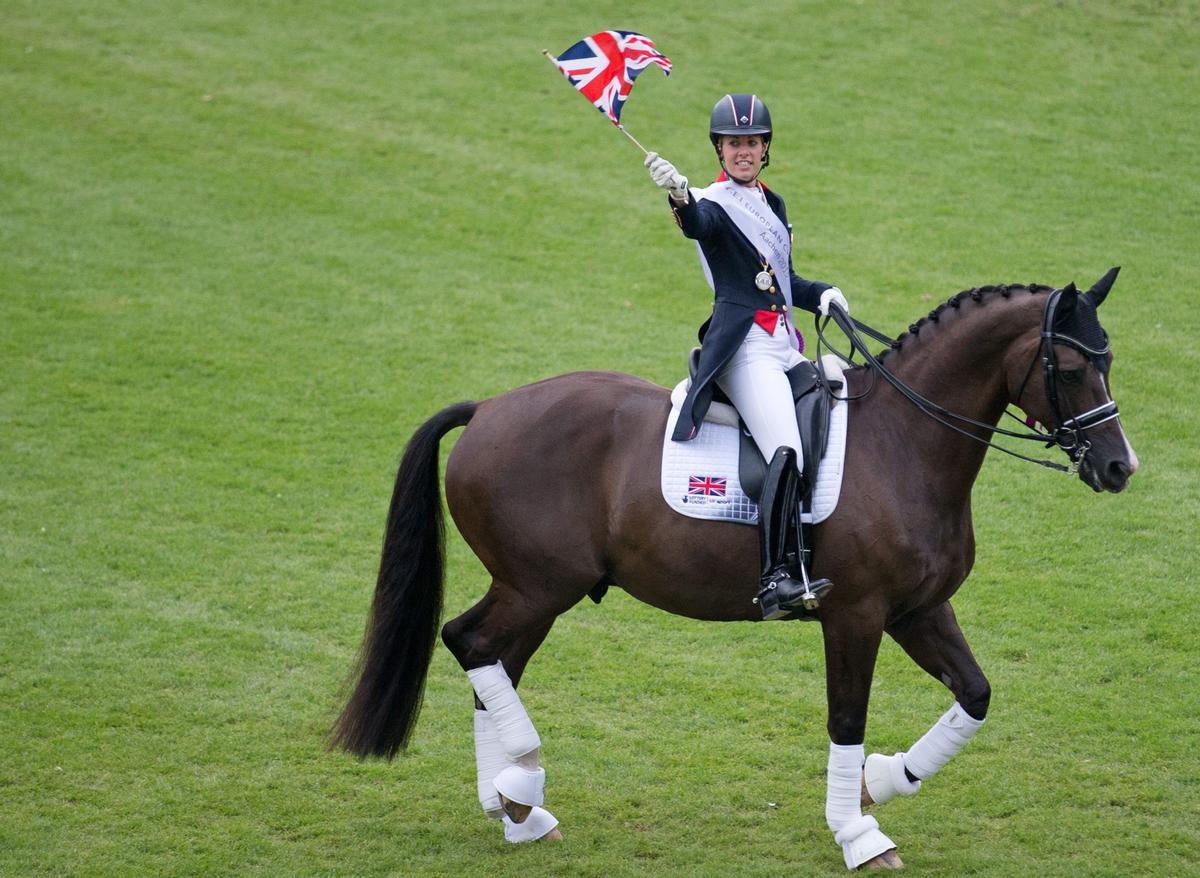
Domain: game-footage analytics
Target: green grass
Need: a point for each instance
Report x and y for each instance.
(246, 249)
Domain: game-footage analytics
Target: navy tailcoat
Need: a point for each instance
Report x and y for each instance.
(734, 263)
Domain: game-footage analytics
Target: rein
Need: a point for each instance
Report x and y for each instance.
(1069, 435)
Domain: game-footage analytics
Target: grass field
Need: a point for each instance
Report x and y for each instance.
(245, 249)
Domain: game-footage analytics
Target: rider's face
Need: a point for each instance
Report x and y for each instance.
(742, 155)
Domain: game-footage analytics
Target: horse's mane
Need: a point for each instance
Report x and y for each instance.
(976, 294)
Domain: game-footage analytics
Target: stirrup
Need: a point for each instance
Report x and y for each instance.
(810, 598)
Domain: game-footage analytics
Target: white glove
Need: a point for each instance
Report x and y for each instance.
(664, 175)
(833, 294)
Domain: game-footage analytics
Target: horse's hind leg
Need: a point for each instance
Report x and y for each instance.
(934, 641)
(493, 641)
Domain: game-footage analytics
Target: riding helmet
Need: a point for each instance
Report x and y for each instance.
(740, 114)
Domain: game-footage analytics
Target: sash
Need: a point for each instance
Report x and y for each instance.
(762, 228)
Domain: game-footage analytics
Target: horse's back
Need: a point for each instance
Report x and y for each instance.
(580, 406)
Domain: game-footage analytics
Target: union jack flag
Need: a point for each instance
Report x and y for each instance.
(707, 486)
(602, 67)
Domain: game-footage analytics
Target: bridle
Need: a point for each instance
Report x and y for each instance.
(1069, 434)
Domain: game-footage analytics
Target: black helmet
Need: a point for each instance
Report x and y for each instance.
(740, 114)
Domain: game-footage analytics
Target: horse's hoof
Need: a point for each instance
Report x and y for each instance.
(867, 801)
(886, 860)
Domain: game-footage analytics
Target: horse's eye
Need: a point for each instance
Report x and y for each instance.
(1072, 376)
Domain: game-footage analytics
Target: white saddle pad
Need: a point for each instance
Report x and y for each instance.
(700, 477)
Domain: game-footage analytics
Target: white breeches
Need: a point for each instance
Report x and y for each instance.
(755, 379)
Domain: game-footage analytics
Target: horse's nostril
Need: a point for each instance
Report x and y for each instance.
(1119, 472)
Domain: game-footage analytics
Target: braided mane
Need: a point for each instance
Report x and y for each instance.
(977, 295)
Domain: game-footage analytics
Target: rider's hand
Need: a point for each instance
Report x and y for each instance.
(664, 175)
(833, 294)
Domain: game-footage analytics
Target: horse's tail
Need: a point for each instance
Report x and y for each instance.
(402, 627)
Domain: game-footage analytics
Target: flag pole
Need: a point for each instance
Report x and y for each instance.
(620, 127)
(634, 139)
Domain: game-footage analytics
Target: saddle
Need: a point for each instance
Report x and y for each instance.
(812, 395)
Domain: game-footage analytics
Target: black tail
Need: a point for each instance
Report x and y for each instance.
(402, 627)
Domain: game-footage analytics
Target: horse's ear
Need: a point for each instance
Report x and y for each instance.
(1064, 311)
(1101, 287)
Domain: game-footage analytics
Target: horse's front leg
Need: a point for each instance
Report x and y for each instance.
(934, 641)
(852, 636)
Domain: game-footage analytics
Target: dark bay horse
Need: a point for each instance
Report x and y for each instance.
(555, 486)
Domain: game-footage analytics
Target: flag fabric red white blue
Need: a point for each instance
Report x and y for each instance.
(707, 486)
(602, 67)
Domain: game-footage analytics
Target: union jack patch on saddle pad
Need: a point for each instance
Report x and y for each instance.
(707, 486)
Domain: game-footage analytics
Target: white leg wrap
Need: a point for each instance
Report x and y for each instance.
(522, 785)
(948, 735)
(515, 728)
(536, 825)
(843, 785)
(862, 841)
(886, 779)
(859, 836)
(490, 760)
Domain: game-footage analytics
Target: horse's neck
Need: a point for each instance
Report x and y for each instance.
(958, 362)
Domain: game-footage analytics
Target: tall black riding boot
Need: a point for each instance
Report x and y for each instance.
(778, 518)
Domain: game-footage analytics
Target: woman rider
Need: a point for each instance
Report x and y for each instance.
(748, 344)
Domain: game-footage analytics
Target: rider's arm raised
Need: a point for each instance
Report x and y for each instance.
(696, 219)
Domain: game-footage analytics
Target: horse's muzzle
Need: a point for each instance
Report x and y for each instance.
(1112, 476)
